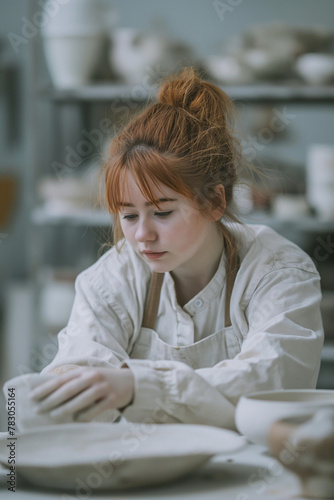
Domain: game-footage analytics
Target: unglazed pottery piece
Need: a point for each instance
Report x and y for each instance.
(72, 40)
(27, 416)
(143, 58)
(305, 446)
(71, 59)
(316, 69)
(256, 412)
(105, 456)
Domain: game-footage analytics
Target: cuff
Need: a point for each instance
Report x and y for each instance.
(151, 401)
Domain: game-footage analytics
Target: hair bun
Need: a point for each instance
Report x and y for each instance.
(202, 99)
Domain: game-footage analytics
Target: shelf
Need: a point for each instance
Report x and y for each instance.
(91, 217)
(101, 92)
(283, 93)
(88, 217)
(307, 223)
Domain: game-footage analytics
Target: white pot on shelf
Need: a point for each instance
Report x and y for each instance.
(263, 64)
(73, 38)
(131, 52)
(316, 69)
(140, 58)
(320, 179)
(71, 59)
(73, 16)
(290, 206)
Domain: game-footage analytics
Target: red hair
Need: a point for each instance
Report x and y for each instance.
(185, 141)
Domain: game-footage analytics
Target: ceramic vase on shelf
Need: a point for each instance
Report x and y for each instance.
(141, 59)
(73, 39)
(320, 179)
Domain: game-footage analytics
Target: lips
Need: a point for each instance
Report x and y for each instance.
(153, 255)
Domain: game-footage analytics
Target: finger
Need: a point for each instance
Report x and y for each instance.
(94, 410)
(82, 401)
(51, 385)
(64, 393)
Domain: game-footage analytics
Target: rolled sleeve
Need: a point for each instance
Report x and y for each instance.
(171, 391)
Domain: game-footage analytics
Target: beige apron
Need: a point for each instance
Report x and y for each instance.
(223, 344)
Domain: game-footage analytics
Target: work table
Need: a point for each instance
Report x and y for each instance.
(250, 474)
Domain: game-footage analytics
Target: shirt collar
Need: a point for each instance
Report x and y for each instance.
(205, 296)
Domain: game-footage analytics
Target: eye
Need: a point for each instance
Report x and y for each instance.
(163, 214)
(129, 217)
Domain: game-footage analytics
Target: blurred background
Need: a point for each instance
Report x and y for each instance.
(73, 70)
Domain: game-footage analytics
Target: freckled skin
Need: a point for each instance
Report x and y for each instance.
(191, 240)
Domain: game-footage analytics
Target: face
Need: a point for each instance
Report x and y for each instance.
(172, 238)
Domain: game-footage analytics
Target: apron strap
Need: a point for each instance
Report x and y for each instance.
(153, 297)
(152, 301)
(230, 279)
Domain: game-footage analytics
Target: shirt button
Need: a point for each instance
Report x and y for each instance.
(198, 303)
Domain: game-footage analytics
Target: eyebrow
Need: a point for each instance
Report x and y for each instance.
(147, 203)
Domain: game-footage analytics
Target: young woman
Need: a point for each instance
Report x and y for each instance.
(190, 309)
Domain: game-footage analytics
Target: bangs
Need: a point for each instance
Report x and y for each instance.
(149, 168)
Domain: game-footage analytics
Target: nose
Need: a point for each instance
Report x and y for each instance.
(145, 231)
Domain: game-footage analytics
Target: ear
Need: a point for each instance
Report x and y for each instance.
(218, 212)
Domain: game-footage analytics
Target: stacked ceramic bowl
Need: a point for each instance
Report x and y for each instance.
(320, 179)
(298, 428)
(257, 412)
(72, 38)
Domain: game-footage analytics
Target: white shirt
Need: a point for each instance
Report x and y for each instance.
(190, 368)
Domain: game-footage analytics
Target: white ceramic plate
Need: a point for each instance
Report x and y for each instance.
(97, 456)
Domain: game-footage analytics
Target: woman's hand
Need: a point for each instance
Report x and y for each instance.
(85, 391)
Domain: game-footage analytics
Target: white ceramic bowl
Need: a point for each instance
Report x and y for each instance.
(317, 69)
(256, 412)
(290, 206)
(227, 69)
(265, 64)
